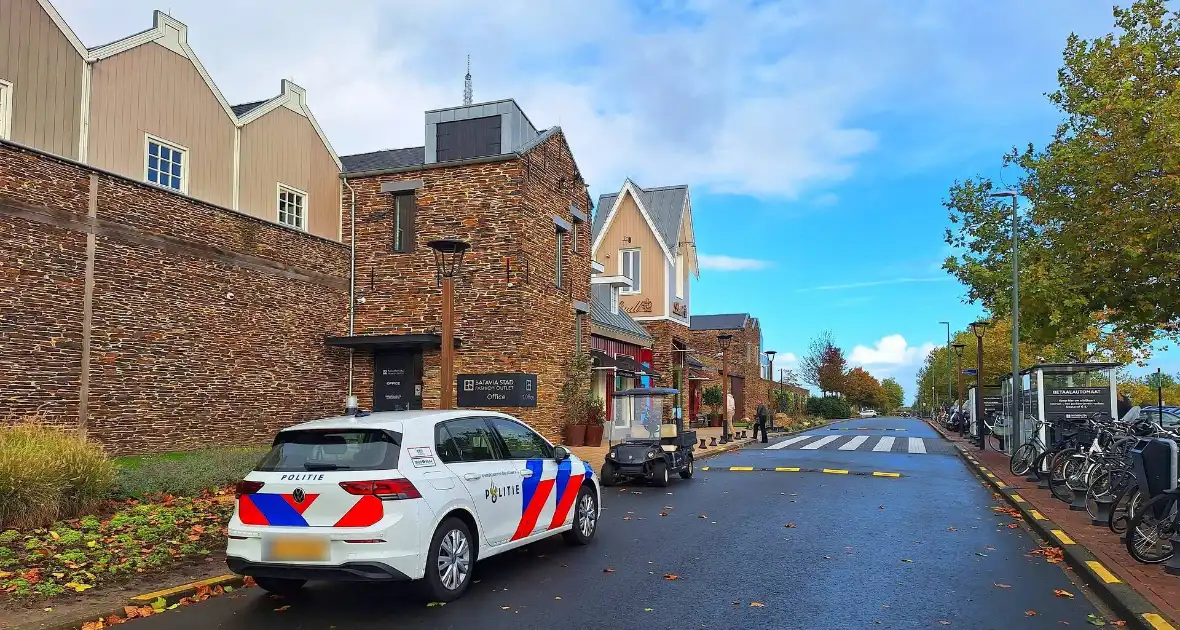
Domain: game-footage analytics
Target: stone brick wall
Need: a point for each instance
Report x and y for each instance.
(206, 325)
(744, 351)
(665, 358)
(509, 314)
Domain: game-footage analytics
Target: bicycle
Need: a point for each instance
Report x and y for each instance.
(1029, 453)
(1150, 532)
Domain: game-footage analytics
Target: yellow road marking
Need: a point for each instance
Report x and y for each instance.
(741, 468)
(1106, 576)
(184, 587)
(704, 468)
(1018, 498)
(835, 471)
(1157, 622)
(1063, 537)
(786, 469)
(886, 474)
(1001, 484)
(1037, 515)
(986, 471)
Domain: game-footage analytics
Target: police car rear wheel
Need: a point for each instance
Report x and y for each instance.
(585, 518)
(449, 563)
(280, 586)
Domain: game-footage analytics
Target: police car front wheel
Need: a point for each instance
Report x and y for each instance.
(449, 564)
(585, 518)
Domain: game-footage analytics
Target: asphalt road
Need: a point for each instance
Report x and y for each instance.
(923, 550)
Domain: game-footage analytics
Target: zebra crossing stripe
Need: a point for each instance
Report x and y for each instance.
(789, 441)
(884, 445)
(917, 446)
(820, 442)
(854, 443)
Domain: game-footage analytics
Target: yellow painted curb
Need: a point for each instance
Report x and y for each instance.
(1063, 537)
(211, 582)
(1102, 572)
(835, 471)
(886, 474)
(1018, 498)
(786, 469)
(1157, 622)
(704, 468)
(741, 468)
(1001, 485)
(1037, 515)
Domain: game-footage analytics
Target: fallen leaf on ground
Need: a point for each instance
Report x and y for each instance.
(435, 604)
(671, 576)
(1095, 620)
(951, 529)
(757, 605)
(1013, 525)
(663, 513)
(557, 597)
(1030, 613)
(790, 525)
(626, 518)
(980, 553)
(667, 507)
(505, 608)
(608, 570)
(880, 507)
(1062, 593)
(703, 516)
(288, 606)
(1120, 623)
(990, 548)
(646, 610)
(1003, 585)
(906, 560)
(943, 622)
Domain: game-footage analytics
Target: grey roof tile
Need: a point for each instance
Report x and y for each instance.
(730, 321)
(601, 314)
(246, 108)
(380, 160)
(665, 205)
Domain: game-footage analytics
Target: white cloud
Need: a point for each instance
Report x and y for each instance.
(756, 98)
(875, 283)
(728, 263)
(892, 356)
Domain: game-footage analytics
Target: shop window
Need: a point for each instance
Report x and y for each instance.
(631, 265)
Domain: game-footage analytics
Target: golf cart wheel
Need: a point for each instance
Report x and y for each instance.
(686, 472)
(659, 474)
(608, 474)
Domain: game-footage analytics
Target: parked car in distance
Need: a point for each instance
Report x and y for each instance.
(868, 413)
(405, 495)
(1167, 416)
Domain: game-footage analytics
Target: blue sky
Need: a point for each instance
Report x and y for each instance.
(818, 138)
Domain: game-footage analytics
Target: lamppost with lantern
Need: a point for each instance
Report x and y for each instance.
(448, 260)
(959, 354)
(774, 407)
(979, 328)
(723, 341)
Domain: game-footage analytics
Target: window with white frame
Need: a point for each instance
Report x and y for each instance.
(680, 276)
(166, 164)
(292, 207)
(5, 110)
(614, 300)
(631, 265)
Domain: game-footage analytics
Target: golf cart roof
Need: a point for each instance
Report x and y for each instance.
(648, 391)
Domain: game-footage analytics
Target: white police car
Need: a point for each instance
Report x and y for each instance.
(405, 495)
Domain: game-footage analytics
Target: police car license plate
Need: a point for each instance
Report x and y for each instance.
(295, 548)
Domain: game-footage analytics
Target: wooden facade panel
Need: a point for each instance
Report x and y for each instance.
(45, 71)
(152, 90)
(629, 223)
(283, 147)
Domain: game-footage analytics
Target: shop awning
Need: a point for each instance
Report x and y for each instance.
(389, 342)
(622, 363)
(603, 361)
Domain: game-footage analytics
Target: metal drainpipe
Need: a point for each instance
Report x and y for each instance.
(351, 278)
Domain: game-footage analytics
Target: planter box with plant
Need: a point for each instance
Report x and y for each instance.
(595, 419)
(575, 397)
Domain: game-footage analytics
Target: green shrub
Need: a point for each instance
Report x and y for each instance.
(47, 473)
(829, 408)
(185, 474)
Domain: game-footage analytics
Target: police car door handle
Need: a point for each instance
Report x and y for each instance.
(472, 477)
(525, 472)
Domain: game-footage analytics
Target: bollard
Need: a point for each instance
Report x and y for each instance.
(1103, 512)
(714, 442)
(1079, 501)
(743, 434)
(1043, 484)
(1032, 476)
(702, 443)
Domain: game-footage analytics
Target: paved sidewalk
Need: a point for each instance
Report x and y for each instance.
(597, 454)
(1150, 581)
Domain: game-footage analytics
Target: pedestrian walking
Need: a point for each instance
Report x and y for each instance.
(761, 419)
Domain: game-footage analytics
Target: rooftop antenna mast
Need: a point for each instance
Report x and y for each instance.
(467, 83)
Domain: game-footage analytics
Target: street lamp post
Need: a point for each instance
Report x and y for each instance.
(771, 353)
(448, 260)
(949, 368)
(979, 328)
(959, 354)
(723, 341)
(1015, 411)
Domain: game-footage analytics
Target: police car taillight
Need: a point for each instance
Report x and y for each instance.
(247, 487)
(386, 490)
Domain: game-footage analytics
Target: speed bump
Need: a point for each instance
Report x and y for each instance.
(830, 471)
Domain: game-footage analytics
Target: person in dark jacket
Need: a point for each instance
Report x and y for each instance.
(761, 420)
(1124, 405)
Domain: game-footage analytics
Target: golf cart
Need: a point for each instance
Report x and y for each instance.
(646, 447)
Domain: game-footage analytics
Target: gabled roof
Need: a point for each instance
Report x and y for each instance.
(731, 321)
(292, 97)
(381, 160)
(245, 108)
(601, 314)
(664, 209)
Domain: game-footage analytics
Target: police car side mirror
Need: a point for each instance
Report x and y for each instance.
(561, 453)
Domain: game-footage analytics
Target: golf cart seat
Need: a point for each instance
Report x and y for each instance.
(668, 440)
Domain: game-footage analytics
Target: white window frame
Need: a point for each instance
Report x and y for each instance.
(679, 276)
(614, 300)
(283, 188)
(148, 139)
(5, 110)
(636, 269)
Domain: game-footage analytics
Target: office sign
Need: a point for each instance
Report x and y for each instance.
(511, 389)
(1076, 403)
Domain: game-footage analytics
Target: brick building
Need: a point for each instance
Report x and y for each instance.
(486, 176)
(746, 381)
(621, 348)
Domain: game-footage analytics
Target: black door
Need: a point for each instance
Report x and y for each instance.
(397, 381)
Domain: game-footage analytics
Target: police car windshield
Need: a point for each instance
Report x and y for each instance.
(332, 449)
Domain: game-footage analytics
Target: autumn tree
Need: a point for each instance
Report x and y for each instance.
(893, 396)
(810, 363)
(1100, 237)
(831, 370)
(862, 389)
